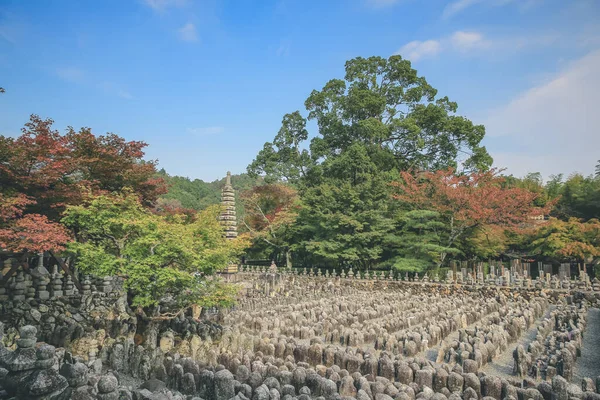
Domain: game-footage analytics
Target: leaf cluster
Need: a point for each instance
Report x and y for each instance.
(157, 256)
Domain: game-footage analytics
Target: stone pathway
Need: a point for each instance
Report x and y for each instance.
(588, 365)
(503, 364)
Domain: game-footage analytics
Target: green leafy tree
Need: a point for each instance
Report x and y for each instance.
(533, 183)
(380, 119)
(270, 215)
(420, 244)
(164, 260)
(578, 196)
(569, 240)
(345, 217)
(284, 158)
(554, 186)
(485, 242)
(385, 106)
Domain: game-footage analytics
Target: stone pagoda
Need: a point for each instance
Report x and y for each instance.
(229, 221)
(228, 218)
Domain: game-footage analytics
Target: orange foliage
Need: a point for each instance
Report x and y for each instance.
(43, 171)
(29, 232)
(471, 200)
(58, 170)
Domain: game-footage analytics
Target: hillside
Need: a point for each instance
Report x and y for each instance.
(198, 194)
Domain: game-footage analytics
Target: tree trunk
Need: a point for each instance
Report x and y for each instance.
(148, 327)
(151, 334)
(288, 258)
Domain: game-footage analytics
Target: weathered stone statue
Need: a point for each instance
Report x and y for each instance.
(273, 268)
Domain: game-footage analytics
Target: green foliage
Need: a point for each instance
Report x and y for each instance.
(534, 183)
(158, 256)
(567, 240)
(380, 119)
(383, 105)
(197, 194)
(420, 243)
(284, 158)
(345, 217)
(579, 197)
(486, 242)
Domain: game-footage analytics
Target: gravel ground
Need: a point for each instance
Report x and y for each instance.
(503, 364)
(588, 365)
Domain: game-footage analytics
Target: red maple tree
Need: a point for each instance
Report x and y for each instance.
(467, 202)
(28, 232)
(42, 171)
(270, 213)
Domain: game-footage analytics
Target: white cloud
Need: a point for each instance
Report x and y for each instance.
(460, 40)
(284, 48)
(188, 33)
(471, 42)
(210, 130)
(161, 5)
(459, 6)
(71, 74)
(551, 128)
(416, 49)
(466, 41)
(381, 3)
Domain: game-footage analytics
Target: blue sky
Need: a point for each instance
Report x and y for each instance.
(206, 82)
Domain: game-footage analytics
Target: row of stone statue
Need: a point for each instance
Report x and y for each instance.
(506, 278)
(39, 283)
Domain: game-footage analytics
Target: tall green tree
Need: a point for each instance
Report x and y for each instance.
(381, 118)
(285, 159)
(579, 197)
(385, 106)
(345, 215)
(421, 242)
(160, 257)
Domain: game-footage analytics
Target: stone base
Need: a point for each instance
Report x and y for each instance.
(43, 295)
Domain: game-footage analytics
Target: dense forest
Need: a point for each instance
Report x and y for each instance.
(197, 194)
(394, 177)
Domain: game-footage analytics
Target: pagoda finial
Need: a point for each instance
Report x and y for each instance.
(228, 179)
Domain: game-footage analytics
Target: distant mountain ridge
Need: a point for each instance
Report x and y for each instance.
(198, 194)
